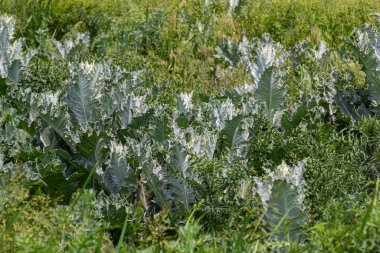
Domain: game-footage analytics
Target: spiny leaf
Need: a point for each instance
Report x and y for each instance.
(155, 185)
(161, 130)
(79, 99)
(126, 113)
(58, 123)
(181, 188)
(228, 53)
(284, 218)
(181, 191)
(117, 173)
(232, 132)
(271, 92)
(344, 102)
(93, 148)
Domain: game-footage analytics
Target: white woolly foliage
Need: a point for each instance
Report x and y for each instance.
(118, 148)
(139, 105)
(264, 59)
(264, 190)
(364, 40)
(67, 46)
(158, 170)
(118, 169)
(203, 142)
(142, 150)
(233, 5)
(1, 161)
(322, 50)
(7, 26)
(94, 73)
(244, 89)
(367, 46)
(102, 99)
(12, 59)
(222, 111)
(6, 48)
(292, 175)
(267, 54)
(185, 102)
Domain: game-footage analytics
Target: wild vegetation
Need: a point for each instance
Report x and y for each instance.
(189, 126)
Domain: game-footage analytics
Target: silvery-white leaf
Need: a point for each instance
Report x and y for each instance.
(245, 188)
(264, 190)
(321, 50)
(271, 92)
(233, 5)
(80, 98)
(65, 47)
(267, 52)
(117, 172)
(203, 143)
(126, 112)
(184, 102)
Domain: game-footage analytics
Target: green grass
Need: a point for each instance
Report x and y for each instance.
(165, 35)
(288, 21)
(35, 224)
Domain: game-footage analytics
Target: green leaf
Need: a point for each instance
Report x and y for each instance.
(180, 184)
(232, 132)
(182, 191)
(345, 104)
(155, 185)
(60, 187)
(79, 99)
(284, 219)
(228, 53)
(126, 113)
(93, 148)
(162, 130)
(57, 121)
(3, 86)
(11, 221)
(292, 120)
(117, 173)
(271, 92)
